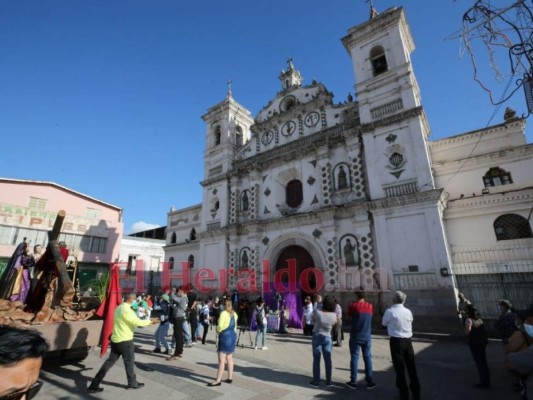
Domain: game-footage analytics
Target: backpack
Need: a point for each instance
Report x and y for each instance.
(259, 315)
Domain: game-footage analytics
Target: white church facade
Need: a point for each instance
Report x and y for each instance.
(344, 188)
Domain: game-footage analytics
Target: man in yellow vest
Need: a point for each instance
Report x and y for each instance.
(124, 323)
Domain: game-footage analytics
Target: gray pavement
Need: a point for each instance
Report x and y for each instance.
(445, 368)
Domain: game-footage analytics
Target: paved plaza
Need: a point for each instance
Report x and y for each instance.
(445, 368)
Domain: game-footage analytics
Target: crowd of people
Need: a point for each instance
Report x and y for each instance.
(192, 318)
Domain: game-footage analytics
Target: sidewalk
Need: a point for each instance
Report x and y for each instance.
(445, 367)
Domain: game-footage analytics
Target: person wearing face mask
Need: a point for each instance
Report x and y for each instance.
(519, 351)
(522, 338)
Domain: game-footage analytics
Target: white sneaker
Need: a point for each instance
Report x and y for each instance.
(264, 348)
(255, 348)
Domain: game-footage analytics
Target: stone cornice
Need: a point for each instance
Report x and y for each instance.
(378, 24)
(429, 196)
(217, 178)
(181, 211)
(490, 200)
(524, 152)
(213, 234)
(226, 105)
(473, 136)
(336, 212)
(193, 244)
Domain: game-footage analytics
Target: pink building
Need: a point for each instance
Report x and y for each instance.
(92, 228)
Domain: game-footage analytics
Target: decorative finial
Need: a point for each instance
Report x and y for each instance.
(230, 94)
(509, 114)
(373, 11)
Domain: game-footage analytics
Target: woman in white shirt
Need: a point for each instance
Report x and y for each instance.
(324, 320)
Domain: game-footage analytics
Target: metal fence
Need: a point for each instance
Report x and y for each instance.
(488, 274)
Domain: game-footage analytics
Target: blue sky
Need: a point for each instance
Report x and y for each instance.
(106, 97)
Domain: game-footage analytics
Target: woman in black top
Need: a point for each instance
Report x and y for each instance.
(477, 341)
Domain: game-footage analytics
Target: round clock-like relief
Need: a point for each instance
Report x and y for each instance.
(312, 119)
(267, 137)
(288, 128)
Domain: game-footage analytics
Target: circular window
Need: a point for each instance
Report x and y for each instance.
(396, 159)
(287, 103)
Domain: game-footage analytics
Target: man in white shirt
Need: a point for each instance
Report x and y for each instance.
(398, 321)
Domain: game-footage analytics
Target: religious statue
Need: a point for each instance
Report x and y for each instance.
(342, 182)
(244, 259)
(349, 254)
(245, 202)
(15, 280)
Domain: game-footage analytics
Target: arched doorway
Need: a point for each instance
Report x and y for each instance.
(298, 258)
(303, 261)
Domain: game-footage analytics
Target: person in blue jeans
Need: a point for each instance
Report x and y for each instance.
(261, 320)
(162, 330)
(361, 337)
(322, 344)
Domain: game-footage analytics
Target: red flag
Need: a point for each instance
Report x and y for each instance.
(107, 308)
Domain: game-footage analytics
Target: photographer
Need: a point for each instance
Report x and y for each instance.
(179, 312)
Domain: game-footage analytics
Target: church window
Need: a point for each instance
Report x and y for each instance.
(191, 261)
(512, 226)
(287, 103)
(171, 263)
(217, 205)
(497, 177)
(192, 235)
(294, 192)
(378, 60)
(173, 238)
(218, 135)
(238, 136)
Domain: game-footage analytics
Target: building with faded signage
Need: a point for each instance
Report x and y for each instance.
(92, 228)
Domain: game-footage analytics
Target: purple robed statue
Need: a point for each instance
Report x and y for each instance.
(15, 281)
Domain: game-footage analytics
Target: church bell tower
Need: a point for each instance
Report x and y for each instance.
(394, 126)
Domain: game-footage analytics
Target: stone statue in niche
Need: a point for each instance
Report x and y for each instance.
(342, 180)
(245, 201)
(244, 259)
(350, 254)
